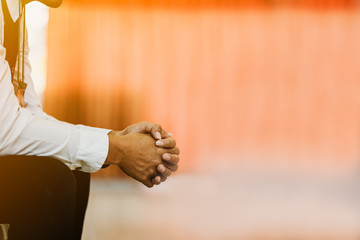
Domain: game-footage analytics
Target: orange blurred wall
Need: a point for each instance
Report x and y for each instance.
(267, 83)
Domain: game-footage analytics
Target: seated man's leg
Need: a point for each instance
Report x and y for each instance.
(82, 197)
(37, 197)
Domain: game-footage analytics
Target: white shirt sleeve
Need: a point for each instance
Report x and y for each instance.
(29, 131)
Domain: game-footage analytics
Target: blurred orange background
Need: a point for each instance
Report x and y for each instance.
(261, 81)
(262, 96)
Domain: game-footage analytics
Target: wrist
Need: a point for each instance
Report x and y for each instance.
(116, 154)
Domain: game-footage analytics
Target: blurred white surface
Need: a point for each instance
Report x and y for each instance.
(236, 204)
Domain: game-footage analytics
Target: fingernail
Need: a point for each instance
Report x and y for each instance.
(161, 168)
(156, 180)
(159, 143)
(166, 157)
(158, 135)
(170, 134)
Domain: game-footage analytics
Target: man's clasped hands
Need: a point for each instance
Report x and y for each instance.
(145, 152)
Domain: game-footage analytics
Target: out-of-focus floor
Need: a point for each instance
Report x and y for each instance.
(227, 204)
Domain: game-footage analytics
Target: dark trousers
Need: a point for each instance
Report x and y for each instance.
(41, 198)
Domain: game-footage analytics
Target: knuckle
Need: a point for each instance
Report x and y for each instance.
(159, 151)
(169, 143)
(175, 159)
(148, 181)
(168, 172)
(143, 178)
(172, 160)
(151, 172)
(165, 173)
(176, 151)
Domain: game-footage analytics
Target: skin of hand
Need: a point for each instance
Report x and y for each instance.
(137, 155)
(164, 140)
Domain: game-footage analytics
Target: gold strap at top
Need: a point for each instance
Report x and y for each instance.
(19, 84)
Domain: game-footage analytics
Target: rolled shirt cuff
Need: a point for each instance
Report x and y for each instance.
(93, 149)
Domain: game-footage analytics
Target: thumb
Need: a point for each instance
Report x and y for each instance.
(156, 132)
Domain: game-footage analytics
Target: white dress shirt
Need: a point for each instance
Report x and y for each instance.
(30, 131)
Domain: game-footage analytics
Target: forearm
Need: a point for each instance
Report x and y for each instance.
(78, 149)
